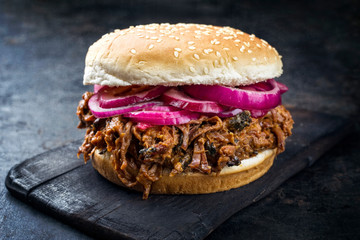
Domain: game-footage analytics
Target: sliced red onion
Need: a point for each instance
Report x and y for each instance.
(154, 114)
(258, 113)
(230, 113)
(143, 126)
(283, 88)
(162, 108)
(181, 100)
(250, 88)
(109, 98)
(162, 118)
(100, 112)
(261, 86)
(238, 98)
(98, 87)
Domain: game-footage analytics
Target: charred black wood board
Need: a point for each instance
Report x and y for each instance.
(61, 185)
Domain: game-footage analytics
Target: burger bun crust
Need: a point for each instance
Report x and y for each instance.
(180, 54)
(195, 183)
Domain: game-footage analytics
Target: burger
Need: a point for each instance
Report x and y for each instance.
(182, 108)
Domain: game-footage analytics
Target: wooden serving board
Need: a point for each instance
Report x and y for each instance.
(60, 184)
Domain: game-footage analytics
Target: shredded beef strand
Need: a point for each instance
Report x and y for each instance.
(85, 116)
(148, 174)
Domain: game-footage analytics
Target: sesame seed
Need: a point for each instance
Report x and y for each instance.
(191, 43)
(177, 38)
(176, 54)
(226, 49)
(147, 37)
(237, 40)
(196, 56)
(177, 49)
(133, 51)
(171, 36)
(247, 44)
(207, 51)
(258, 45)
(154, 38)
(159, 40)
(249, 51)
(235, 58)
(198, 37)
(192, 69)
(206, 70)
(218, 54)
(242, 49)
(215, 41)
(269, 47)
(151, 46)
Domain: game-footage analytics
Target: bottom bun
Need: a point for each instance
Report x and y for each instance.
(195, 183)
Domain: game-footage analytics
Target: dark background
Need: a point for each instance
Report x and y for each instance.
(42, 50)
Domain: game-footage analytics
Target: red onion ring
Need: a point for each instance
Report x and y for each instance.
(179, 99)
(100, 112)
(258, 113)
(157, 118)
(283, 88)
(162, 108)
(143, 126)
(230, 113)
(163, 118)
(108, 98)
(238, 98)
(98, 87)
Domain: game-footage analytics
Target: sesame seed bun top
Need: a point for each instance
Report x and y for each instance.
(180, 54)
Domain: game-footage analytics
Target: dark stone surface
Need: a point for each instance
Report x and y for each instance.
(42, 49)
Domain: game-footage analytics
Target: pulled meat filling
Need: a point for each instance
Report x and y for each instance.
(205, 145)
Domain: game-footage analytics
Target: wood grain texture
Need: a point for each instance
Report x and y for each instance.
(59, 184)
